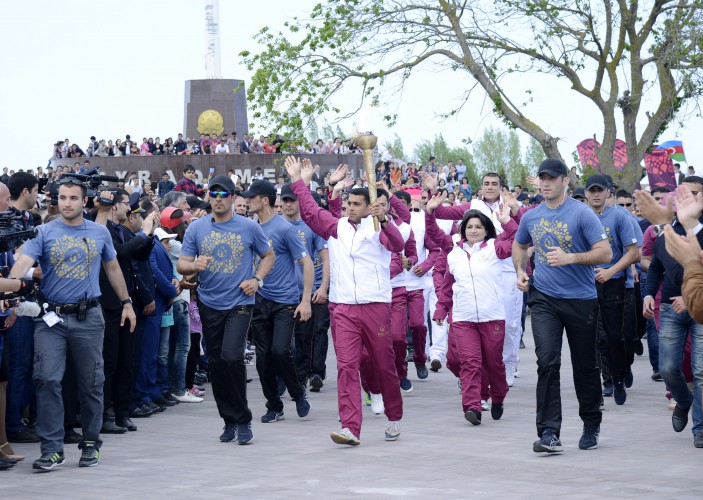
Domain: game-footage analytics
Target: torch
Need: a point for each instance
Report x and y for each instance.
(367, 142)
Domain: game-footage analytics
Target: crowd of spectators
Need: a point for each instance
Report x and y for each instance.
(205, 144)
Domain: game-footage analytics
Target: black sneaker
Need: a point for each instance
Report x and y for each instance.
(629, 378)
(7, 464)
(24, 435)
(272, 416)
(496, 410)
(656, 376)
(422, 372)
(171, 398)
(607, 390)
(405, 385)
(154, 407)
(111, 427)
(162, 401)
(522, 344)
(315, 383)
(302, 405)
(619, 393)
(698, 439)
(473, 416)
(679, 419)
(49, 461)
(229, 434)
(548, 443)
(142, 411)
(90, 456)
(244, 434)
(127, 423)
(589, 438)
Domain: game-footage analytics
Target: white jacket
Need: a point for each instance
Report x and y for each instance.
(359, 265)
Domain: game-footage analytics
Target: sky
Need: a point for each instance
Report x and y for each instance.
(108, 68)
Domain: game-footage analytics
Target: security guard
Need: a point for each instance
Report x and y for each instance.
(70, 250)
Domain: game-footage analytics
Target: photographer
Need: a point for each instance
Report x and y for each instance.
(70, 251)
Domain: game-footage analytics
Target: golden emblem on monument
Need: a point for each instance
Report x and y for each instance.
(210, 122)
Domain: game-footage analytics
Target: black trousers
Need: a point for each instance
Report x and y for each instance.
(611, 299)
(550, 316)
(225, 334)
(193, 359)
(273, 326)
(304, 336)
(119, 348)
(321, 315)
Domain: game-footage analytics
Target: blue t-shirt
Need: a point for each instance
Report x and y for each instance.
(232, 245)
(70, 259)
(639, 236)
(313, 243)
(281, 284)
(575, 228)
(620, 234)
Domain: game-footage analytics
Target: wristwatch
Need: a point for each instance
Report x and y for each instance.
(260, 282)
(125, 301)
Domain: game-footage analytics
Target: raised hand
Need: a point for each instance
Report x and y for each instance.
(435, 201)
(339, 175)
(293, 167)
(306, 171)
(510, 199)
(340, 186)
(688, 205)
(684, 250)
(533, 181)
(429, 181)
(503, 214)
(652, 210)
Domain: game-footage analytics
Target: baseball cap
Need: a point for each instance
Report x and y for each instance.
(134, 207)
(195, 202)
(597, 180)
(553, 167)
(259, 187)
(171, 217)
(611, 183)
(222, 181)
(287, 193)
(163, 235)
(579, 192)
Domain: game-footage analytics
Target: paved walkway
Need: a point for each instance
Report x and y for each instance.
(439, 455)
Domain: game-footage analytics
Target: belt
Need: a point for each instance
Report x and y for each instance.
(70, 308)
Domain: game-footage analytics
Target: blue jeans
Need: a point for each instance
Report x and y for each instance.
(173, 351)
(673, 331)
(651, 330)
(20, 389)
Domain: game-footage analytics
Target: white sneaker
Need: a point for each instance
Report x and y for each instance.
(485, 406)
(510, 375)
(345, 437)
(392, 430)
(187, 397)
(377, 404)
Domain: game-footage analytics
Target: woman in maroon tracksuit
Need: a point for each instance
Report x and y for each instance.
(472, 291)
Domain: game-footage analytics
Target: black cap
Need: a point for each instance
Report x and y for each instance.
(260, 187)
(222, 181)
(195, 202)
(611, 184)
(579, 192)
(287, 193)
(134, 207)
(597, 180)
(553, 167)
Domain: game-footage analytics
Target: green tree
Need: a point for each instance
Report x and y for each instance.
(618, 55)
(396, 146)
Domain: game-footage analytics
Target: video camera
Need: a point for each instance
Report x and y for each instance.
(92, 180)
(15, 228)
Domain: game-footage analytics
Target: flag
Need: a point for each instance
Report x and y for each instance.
(674, 149)
(588, 150)
(660, 169)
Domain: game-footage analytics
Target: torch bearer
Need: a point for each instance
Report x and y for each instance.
(367, 142)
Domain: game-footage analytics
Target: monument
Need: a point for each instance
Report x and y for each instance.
(214, 105)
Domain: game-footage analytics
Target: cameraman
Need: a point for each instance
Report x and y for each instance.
(120, 341)
(23, 188)
(70, 250)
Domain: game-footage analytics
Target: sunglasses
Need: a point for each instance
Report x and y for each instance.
(70, 180)
(220, 194)
(625, 204)
(417, 210)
